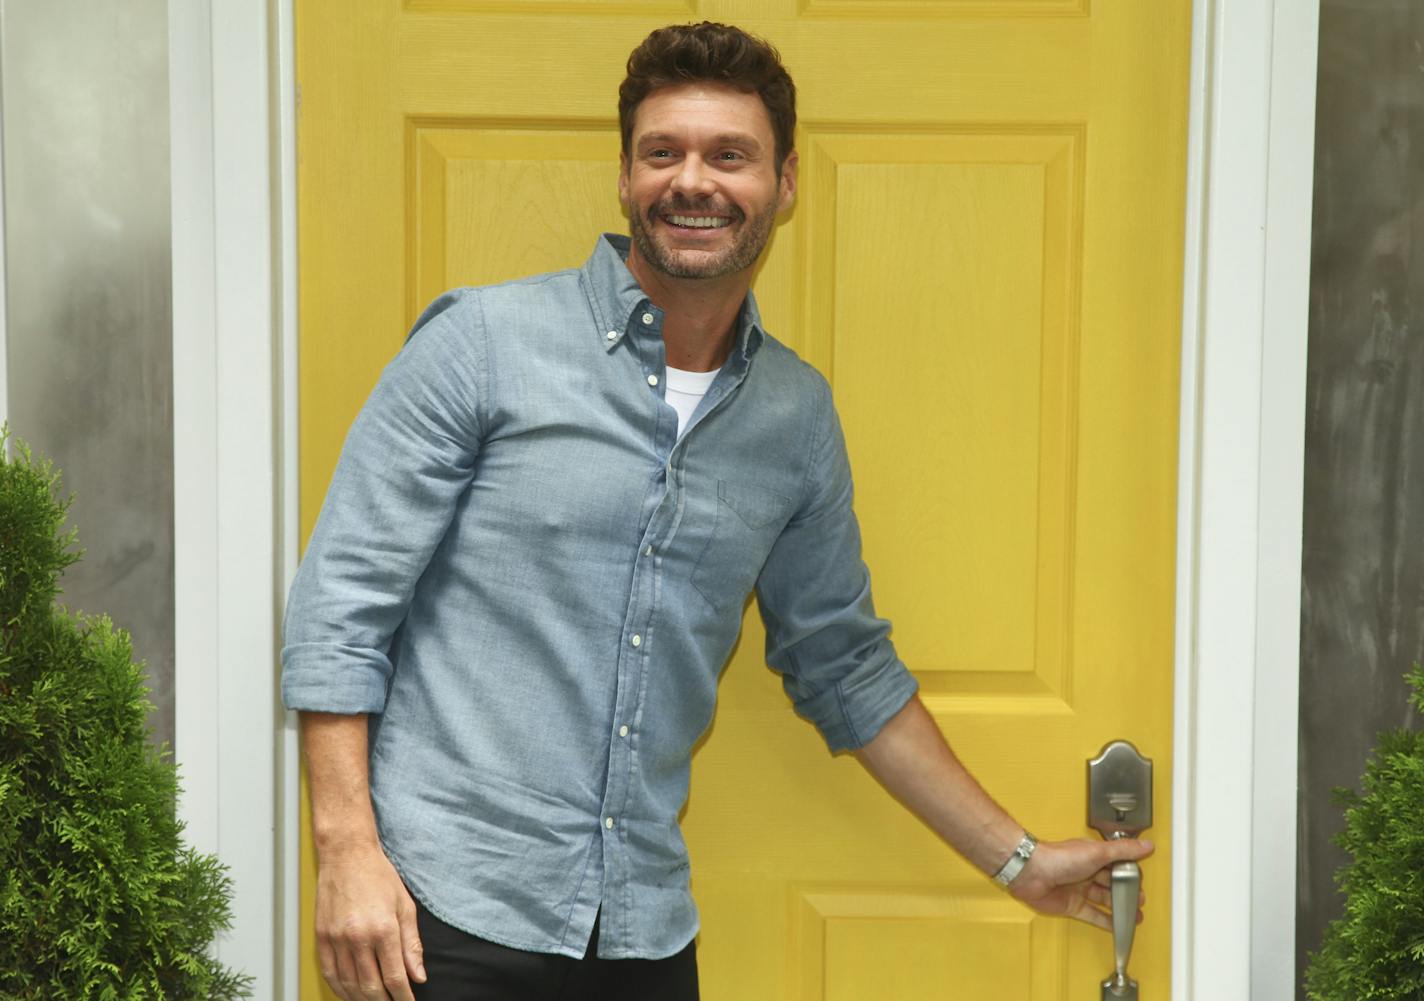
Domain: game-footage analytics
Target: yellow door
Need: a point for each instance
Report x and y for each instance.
(985, 259)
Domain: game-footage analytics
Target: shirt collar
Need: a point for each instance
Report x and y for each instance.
(617, 297)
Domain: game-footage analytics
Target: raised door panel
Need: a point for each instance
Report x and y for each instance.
(944, 279)
(493, 202)
(917, 944)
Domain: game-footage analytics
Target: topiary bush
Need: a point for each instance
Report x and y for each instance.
(1377, 949)
(99, 897)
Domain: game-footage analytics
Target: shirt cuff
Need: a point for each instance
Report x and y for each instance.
(851, 712)
(322, 677)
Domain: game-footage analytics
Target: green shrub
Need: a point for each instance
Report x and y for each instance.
(99, 897)
(1377, 949)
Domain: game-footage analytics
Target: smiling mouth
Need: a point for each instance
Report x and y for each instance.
(698, 221)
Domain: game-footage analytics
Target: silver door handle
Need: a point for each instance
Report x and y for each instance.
(1120, 806)
(1126, 882)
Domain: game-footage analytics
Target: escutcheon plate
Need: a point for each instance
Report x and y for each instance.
(1120, 791)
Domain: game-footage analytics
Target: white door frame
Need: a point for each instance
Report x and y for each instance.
(232, 112)
(1246, 292)
(4, 314)
(1242, 433)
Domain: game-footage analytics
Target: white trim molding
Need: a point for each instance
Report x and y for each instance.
(4, 274)
(233, 307)
(288, 538)
(1246, 293)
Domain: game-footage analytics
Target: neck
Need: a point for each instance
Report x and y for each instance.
(699, 314)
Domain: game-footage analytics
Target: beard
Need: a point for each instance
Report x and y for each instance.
(754, 233)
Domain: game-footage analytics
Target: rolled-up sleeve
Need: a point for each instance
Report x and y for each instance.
(835, 656)
(408, 457)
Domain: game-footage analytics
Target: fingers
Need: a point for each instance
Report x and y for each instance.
(1099, 918)
(1102, 896)
(1098, 909)
(369, 967)
(1091, 915)
(326, 956)
(347, 982)
(390, 977)
(1128, 849)
(372, 983)
(365, 961)
(412, 952)
(1103, 878)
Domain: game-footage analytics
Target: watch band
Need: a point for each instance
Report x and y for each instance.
(1023, 851)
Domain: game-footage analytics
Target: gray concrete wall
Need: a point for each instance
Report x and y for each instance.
(84, 109)
(1362, 615)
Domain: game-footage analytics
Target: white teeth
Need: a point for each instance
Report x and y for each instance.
(699, 221)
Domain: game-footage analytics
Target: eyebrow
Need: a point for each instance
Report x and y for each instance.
(721, 139)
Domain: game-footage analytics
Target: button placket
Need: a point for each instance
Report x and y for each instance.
(633, 668)
(632, 676)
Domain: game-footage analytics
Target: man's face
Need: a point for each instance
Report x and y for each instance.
(700, 181)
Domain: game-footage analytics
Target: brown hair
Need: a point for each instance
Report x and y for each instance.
(719, 53)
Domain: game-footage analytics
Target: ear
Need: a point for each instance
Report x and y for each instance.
(788, 182)
(623, 179)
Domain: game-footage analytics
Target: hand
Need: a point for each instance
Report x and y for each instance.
(365, 928)
(1072, 878)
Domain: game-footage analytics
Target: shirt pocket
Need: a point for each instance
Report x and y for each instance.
(747, 522)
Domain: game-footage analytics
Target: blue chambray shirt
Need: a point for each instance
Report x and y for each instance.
(531, 585)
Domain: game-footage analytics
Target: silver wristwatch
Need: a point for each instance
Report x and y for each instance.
(1022, 853)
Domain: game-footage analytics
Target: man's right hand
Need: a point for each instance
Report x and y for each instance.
(366, 936)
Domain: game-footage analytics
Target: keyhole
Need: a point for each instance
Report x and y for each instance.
(1122, 803)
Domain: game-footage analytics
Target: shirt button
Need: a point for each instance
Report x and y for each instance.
(623, 730)
(648, 551)
(652, 380)
(637, 640)
(647, 319)
(608, 822)
(613, 335)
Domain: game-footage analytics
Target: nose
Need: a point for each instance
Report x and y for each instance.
(693, 179)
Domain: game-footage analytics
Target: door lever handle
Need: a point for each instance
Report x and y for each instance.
(1120, 806)
(1126, 882)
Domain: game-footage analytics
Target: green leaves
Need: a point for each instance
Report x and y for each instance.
(99, 897)
(34, 549)
(1377, 949)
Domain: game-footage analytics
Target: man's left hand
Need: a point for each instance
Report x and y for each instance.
(1072, 878)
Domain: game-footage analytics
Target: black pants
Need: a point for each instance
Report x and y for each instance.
(461, 967)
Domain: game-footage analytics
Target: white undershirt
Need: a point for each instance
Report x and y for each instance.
(685, 391)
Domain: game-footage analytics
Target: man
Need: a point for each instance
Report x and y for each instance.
(530, 568)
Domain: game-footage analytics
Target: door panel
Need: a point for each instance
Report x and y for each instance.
(985, 259)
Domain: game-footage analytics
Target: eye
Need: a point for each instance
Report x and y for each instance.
(730, 156)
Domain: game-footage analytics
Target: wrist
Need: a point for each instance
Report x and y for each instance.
(341, 845)
(1014, 865)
